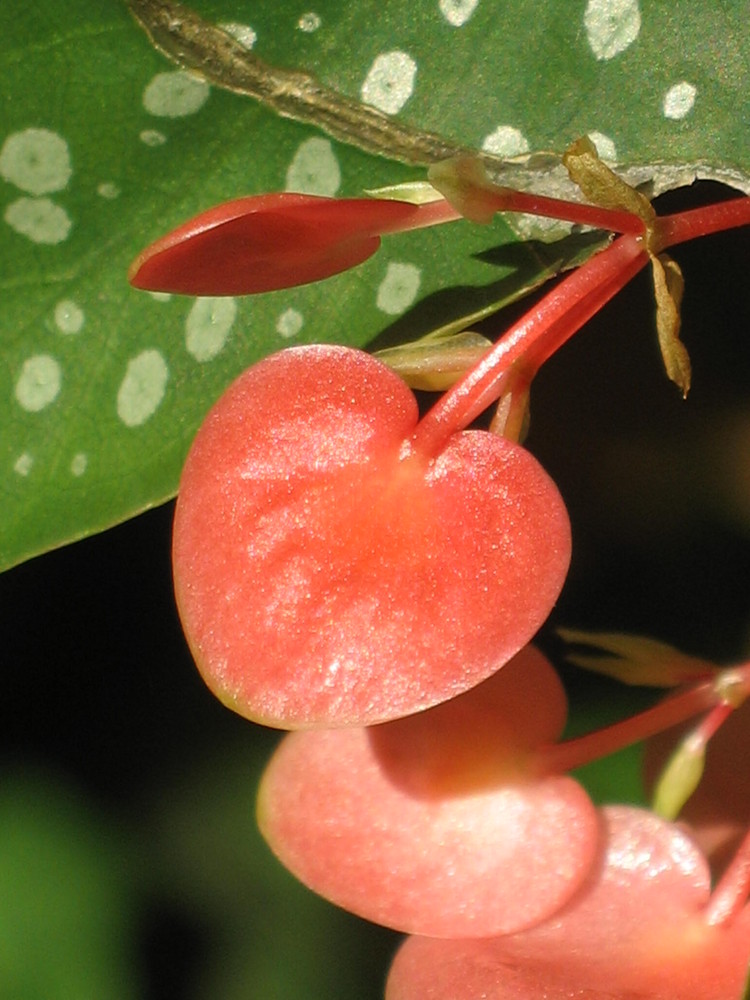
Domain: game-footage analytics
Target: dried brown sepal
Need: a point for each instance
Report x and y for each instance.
(602, 186)
(669, 286)
(634, 659)
(468, 188)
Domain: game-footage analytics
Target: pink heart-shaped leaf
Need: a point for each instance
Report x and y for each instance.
(266, 242)
(435, 823)
(327, 575)
(636, 930)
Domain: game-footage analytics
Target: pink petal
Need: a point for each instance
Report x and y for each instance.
(266, 242)
(637, 931)
(324, 580)
(444, 839)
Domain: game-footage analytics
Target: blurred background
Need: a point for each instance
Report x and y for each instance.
(130, 866)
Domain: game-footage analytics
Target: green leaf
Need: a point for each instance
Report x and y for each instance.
(66, 908)
(205, 849)
(104, 146)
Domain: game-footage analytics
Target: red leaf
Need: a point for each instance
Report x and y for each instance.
(435, 824)
(324, 579)
(636, 931)
(266, 242)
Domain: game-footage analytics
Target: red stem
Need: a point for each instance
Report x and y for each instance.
(711, 724)
(670, 229)
(531, 340)
(684, 226)
(556, 317)
(616, 220)
(558, 758)
(433, 213)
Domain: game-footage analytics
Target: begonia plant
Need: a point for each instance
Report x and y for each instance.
(378, 537)
(371, 577)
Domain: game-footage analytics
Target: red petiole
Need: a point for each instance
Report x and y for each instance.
(533, 339)
(704, 221)
(580, 213)
(704, 696)
(557, 316)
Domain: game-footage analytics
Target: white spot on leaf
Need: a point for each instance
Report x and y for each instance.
(108, 190)
(289, 323)
(390, 82)
(605, 147)
(39, 383)
(314, 169)
(175, 94)
(152, 137)
(207, 326)
(241, 33)
(36, 160)
(23, 464)
(611, 26)
(505, 141)
(39, 219)
(69, 317)
(398, 289)
(457, 12)
(679, 100)
(309, 22)
(539, 227)
(78, 464)
(142, 389)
